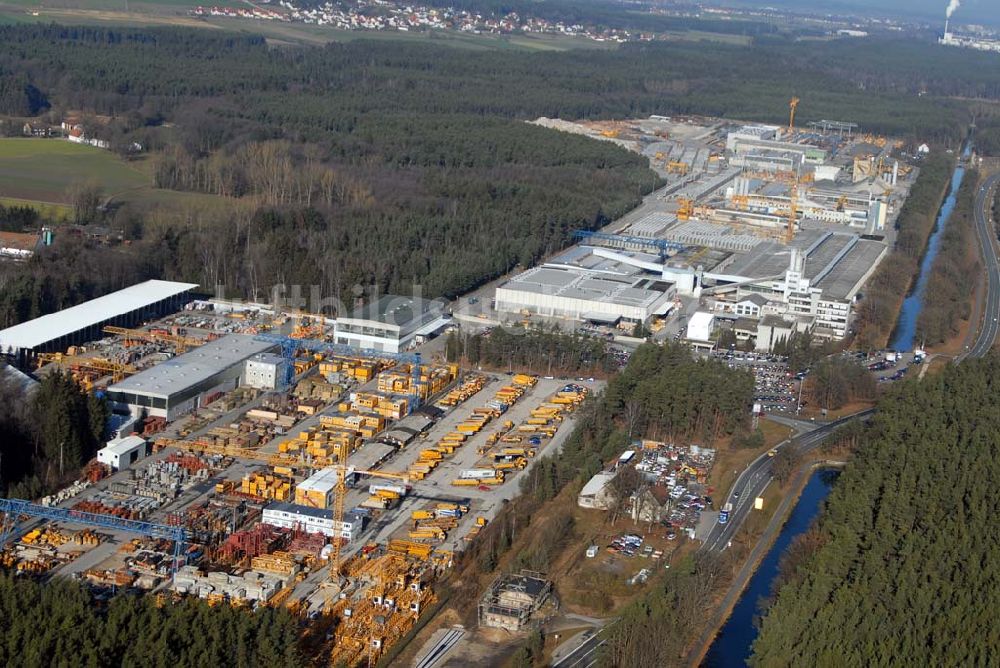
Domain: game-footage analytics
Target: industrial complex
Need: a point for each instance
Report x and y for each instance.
(778, 228)
(336, 464)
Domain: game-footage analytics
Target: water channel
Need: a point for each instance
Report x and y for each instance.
(732, 647)
(906, 326)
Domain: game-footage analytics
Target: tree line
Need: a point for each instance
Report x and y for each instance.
(47, 434)
(339, 169)
(61, 624)
(534, 350)
(903, 557)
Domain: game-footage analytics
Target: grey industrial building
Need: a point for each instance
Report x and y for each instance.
(175, 387)
(391, 323)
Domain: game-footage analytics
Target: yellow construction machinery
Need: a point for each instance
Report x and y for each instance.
(793, 104)
(180, 343)
(93, 364)
(686, 209)
(676, 167)
(274, 459)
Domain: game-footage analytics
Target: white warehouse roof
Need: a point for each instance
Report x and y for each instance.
(40, 331)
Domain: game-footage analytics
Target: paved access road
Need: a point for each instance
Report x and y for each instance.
(755, 477)
(987, 335)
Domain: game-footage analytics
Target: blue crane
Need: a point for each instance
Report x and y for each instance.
(625, 240)
(290, 346)
(14, 509)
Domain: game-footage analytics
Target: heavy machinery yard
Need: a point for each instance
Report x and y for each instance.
(341, 486)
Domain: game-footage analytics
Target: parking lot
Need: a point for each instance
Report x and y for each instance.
(776, 388)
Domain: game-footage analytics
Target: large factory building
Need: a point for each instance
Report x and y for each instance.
(177, 386)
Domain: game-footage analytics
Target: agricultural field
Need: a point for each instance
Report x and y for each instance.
(41, 172)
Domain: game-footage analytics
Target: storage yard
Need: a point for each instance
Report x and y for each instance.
(248, 467)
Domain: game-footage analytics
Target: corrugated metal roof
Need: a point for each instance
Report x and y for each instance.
(184, 371)
(40, 331)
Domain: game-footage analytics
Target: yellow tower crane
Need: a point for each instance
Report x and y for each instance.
(339, 495)
(793, 104)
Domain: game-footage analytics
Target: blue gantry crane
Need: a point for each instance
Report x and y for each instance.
(290, 346)
(15, 509)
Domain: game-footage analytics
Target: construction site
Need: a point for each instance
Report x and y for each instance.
(254, 461)
(753, 222)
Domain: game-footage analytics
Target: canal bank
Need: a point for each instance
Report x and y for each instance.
(727, 631)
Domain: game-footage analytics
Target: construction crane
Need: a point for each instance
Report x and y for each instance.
(686, 209)
(271, 459)
(290, 346)
(180, 343)
(344, 470)
(78, 362)
(793, 104)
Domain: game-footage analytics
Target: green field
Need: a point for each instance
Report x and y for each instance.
(43, 169)
(41, 172)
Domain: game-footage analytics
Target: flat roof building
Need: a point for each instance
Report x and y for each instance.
(390, 324)
(176, 386)
(313, 520)
(589, 284)
(84, 322)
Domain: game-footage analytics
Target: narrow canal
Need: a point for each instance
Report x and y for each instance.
(906, 326)
(732, 647)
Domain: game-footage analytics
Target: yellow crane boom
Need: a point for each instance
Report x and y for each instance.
(181, 343)
(793, 104)
(99, 364)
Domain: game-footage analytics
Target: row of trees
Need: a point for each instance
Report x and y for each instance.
(884, 293)
(535, 350)
(60, 624)
(955, 273)
(904, 551)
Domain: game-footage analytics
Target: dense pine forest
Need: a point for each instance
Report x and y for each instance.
(59, 624)
(385, 165)
(47, 434)
(901, 569)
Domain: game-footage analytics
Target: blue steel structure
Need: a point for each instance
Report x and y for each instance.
(290, 346)
(15, 508)
(662, 245)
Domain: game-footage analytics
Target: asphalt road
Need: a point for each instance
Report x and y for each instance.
(757, 476)
(583, 656)
(987, 335)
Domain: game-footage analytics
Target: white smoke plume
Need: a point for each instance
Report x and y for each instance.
(952, 6)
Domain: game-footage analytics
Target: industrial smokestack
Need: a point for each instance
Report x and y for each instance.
(952, 6)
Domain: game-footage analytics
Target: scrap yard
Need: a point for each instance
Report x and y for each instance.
(254, 461)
